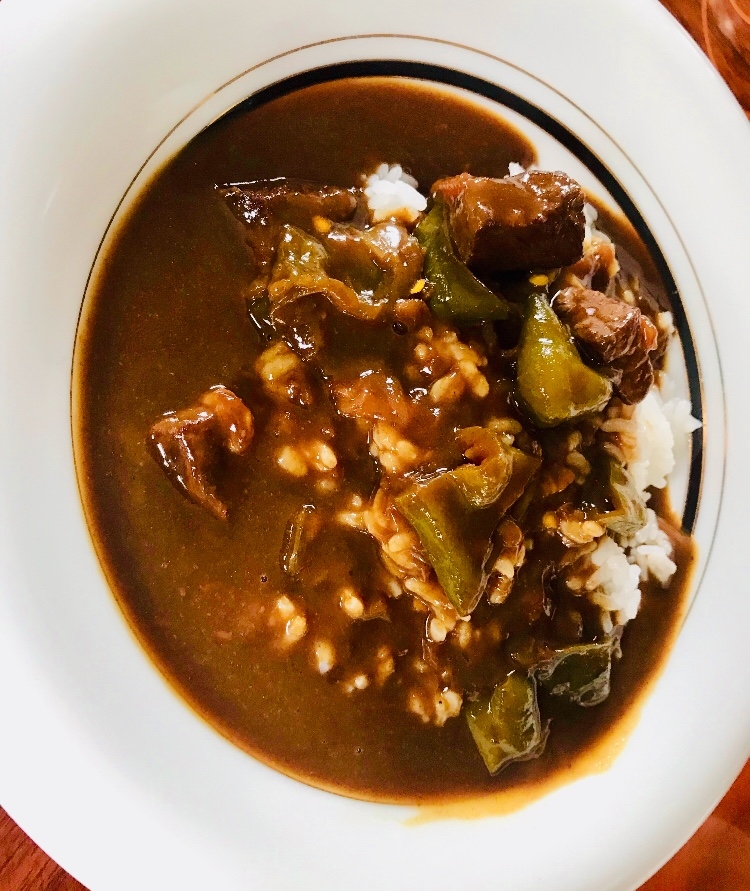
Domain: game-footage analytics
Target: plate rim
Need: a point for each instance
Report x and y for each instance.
(472, 50)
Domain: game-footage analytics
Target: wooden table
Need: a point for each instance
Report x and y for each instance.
(716, 858)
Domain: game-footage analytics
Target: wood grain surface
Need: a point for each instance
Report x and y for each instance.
(718, 856)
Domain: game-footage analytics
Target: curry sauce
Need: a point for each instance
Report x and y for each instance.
(271, 611)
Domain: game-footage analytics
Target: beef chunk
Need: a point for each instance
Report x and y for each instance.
(300, 323)
(614, 334)
(530, 221)
(609, 328)
(637, 376)
(188, 443)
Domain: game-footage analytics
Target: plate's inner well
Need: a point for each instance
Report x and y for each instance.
(166, 320)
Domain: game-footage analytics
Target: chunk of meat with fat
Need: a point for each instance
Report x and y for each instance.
(188, 443)
(283, 375)
(597, 267)
(531, 221)
(613, 333)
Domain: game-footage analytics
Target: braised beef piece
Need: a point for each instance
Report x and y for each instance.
(263, 207)
(609, 328)
(188, 443)
(531, 221)
(639, 377)
(612, 333)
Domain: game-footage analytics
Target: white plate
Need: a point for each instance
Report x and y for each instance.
(99, 761)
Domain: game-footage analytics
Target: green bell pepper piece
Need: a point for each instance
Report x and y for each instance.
(455, 514)
(506, 726)
(579, 674)
(298, 255)
(300, 269)
(481, 484)
(456, 537)
(554, 385)
(610, 497)
(455, 294)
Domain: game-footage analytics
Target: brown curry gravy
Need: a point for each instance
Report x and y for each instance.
(165, 320)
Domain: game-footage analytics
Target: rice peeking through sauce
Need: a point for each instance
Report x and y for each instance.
(374, 443)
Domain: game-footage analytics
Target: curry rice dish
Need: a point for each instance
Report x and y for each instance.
(375, 461)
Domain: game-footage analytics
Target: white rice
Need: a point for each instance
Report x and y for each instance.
(677, 412)
(661, 425)
(392, 195)
(657, 432)
(650, 550)
(653, 456)
(591, 215)
(613, 585)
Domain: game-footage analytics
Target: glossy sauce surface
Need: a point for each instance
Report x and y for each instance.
(167, 320)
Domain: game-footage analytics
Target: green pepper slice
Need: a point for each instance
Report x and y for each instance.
(300, 269)
(455, 514)
(580, 674)
(506, 726)
(456, 295)
(482, 484)
(456, 537)
(554, 385)
(609, 496)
